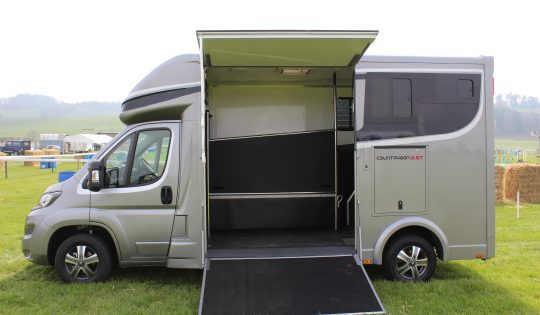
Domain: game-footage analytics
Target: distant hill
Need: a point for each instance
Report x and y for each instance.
(28, 116)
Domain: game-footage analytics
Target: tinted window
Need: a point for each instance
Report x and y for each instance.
(415, 104)
(465, 88)
(401, 100)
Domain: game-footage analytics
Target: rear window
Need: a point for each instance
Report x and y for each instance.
(401, 105)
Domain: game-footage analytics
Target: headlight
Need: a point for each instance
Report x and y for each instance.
(47, 199)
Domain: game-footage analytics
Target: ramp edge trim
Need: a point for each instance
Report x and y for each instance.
(206, 267)
(383, 310)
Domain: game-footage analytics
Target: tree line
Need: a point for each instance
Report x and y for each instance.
(516, 115)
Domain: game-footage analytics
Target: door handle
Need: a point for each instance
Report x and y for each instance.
(166, 195)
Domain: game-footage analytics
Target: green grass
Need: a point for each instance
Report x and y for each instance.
(530, 143)
(507, 284)
(20, 127)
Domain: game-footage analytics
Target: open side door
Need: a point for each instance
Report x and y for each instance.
(279, 56)
(283, 48)
(292, 285)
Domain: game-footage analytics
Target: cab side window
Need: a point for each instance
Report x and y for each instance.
(116, 164)
(139, 159)
(150, 156)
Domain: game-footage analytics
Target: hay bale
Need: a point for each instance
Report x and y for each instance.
(51, 152)
(524, 178)
(500, 173)
(33, 152)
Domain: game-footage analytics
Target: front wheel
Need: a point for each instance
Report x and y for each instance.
(410, 258)
(83, 258)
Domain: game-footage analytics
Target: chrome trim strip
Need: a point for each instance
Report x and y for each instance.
(271, 135)
(270, 195)
(281, 257)
(463, 246)
(334, 102)
(161, 89)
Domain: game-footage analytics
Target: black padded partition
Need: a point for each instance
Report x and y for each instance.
(272, 213)
(301, 162)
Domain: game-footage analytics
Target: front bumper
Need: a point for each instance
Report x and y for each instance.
(34, 246)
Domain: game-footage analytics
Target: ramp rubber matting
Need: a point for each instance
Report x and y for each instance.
(322, 285)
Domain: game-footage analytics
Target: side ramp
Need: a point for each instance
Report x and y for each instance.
(318, 285)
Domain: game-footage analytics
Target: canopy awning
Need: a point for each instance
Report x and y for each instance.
(283, 48)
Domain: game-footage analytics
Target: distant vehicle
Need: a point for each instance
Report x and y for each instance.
(16, 147)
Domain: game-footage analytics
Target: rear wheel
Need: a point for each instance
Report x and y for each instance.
(83, 258)
(410, 258)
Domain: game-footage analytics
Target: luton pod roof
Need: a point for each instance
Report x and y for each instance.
(283, 48)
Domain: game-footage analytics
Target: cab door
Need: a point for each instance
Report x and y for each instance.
(138, 200)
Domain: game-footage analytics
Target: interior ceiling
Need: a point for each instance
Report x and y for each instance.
(270, 75)
(284, 48)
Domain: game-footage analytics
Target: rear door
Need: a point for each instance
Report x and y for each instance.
(139, 198)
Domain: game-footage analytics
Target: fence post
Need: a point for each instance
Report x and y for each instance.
(5, 167)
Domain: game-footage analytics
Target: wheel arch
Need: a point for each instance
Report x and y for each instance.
(62, 233)
(411, 225)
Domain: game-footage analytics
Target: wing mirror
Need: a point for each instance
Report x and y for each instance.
(95, 178)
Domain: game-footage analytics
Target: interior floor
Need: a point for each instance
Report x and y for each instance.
(275, 238)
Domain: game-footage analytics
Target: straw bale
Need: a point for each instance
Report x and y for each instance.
(51, 152)
(33, 152)
(524, 178)
(500, 173)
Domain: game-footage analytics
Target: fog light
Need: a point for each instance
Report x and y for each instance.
(29, 229)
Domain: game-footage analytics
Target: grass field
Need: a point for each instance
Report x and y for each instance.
(507, 284)
(20, 127)
(523, 143)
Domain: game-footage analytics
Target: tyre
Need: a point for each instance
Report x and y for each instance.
(83, 258)
(409, 258)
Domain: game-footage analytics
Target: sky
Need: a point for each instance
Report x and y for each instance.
(98, 50)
